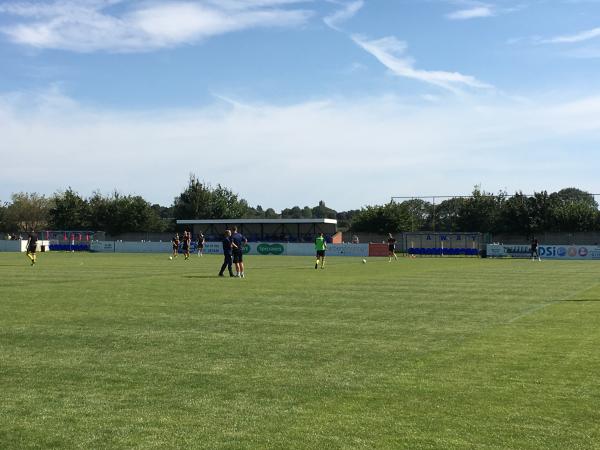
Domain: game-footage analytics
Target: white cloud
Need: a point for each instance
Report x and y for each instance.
(472, 13)
(391, 53)
(574, 38)
(88, 27)
(365, 149)
(348, 11)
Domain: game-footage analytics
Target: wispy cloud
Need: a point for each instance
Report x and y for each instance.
(433, 139)
(573, 38)
(88, 26)
(472, 13)
(391, 52)
(471, 9)
(348, 11)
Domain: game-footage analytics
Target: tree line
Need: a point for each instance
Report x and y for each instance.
(567, 210)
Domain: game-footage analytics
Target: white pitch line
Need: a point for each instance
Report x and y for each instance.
(537, 308)
(532, 310)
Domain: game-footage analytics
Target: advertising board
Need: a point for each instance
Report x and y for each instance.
(332, 250)
(216, 248)
(566, 252)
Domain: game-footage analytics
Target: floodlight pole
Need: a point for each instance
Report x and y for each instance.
(433, 217)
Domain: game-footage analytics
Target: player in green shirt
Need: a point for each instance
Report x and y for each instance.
(320, 247)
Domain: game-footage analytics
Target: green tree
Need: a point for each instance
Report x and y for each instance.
(123, 213)
(345, 218)
(255, 213)
(573, 210)
(447, 214)
(165, 216)
(420, 213)
(194, 201)
(3, 226)
(291, 213)
(99, 213)
(574, 195)
(390, 218)
(224, 204)
(542, 209)
(69, 211)
(271, 214)
(307, 213)
(480, 212)
(321, 211)
(201, 201)
(516, 215)
(27, 211)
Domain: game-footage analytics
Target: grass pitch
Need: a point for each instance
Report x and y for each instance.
(136, 351)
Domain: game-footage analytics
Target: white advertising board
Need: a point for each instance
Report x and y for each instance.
(216, 248)
(251, 248)
(102, 246)
(511, 251)
(332, 250)
(142, 247)
(568, 252)
(20, 245)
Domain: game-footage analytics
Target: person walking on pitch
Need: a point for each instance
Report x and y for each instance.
(392, 247)
(227, 253)
(32, 247)
(320, 247)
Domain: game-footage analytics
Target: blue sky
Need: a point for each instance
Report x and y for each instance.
(291, 102)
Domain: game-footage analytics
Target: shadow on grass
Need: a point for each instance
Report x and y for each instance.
(203, 276)
(582, 300)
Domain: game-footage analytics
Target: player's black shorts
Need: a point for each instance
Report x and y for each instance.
(391, 248)
(238, 257)
(31, 249)
(186, 247)
(320, 253)
(200, 246)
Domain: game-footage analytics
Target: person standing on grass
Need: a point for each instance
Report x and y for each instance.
(227, 253)
(239, 240)
(200, 244)
(187, 241)
(391, 247)
(534, 250)
(175, 242)
(320, 247)
(32, 246)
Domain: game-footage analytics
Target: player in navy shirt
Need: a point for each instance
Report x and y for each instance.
(534, 250)
(238, 252)
(227, 251)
